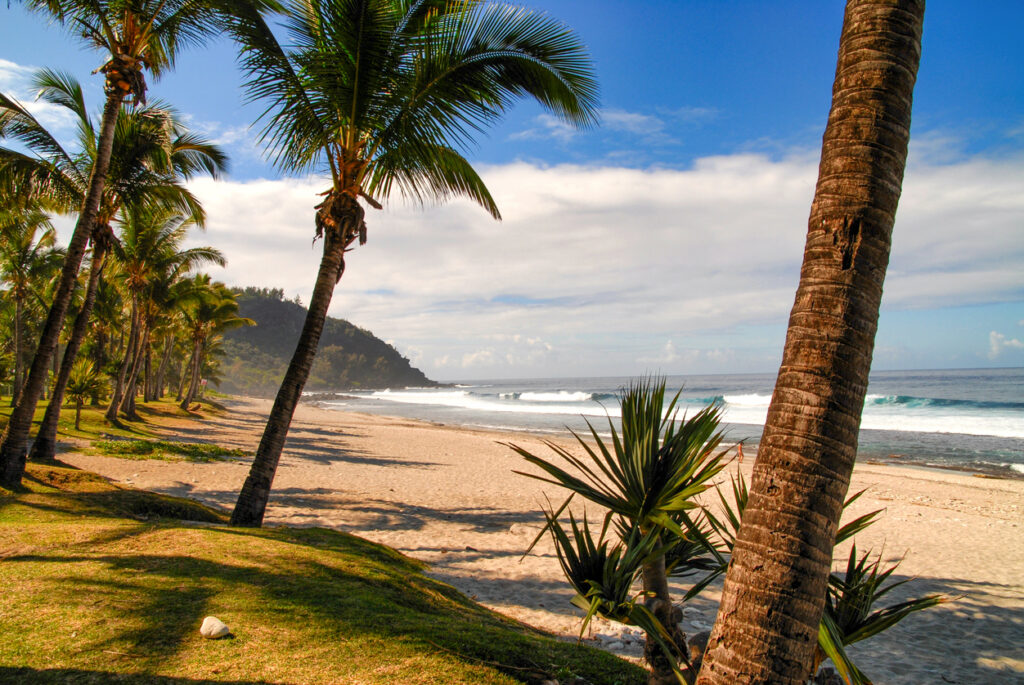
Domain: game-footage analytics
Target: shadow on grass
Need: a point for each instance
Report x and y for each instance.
(354, 596)
(62, 676)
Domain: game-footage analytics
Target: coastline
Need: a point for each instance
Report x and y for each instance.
(447, 496)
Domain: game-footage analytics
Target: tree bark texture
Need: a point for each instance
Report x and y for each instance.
(772, 602)
(14, 443)
(194, 367)
(252, 501)
(44, 448)
(659, 602)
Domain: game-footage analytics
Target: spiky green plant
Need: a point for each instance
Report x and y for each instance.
(647, 479)
(85, 383)
(848, 615)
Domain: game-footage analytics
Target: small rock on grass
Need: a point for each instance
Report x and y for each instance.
(213, 628)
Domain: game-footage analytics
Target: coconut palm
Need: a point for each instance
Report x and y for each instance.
(648, 479)
(27, 253)
(379, 94)
(774, 593)
(135, 35)
(151, 154)
(84, 382)
(209, 310)
(151, 259)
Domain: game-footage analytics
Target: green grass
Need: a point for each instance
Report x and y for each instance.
(163, 449)
(103, 583)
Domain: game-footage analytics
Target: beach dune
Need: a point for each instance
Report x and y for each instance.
(449, 497)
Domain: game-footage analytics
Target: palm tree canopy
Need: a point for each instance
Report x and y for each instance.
(152, 153)
(383, 93)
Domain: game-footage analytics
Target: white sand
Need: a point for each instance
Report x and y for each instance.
(449, 497)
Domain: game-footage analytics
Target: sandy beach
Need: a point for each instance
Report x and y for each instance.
(449, 497)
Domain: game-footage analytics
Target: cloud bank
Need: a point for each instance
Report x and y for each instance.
(606, 270)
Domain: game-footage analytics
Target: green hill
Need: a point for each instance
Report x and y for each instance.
(255, 357)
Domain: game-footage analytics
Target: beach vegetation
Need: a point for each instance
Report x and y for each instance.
(382, 95)
(648, 480)
(85, 382)
(850, 614)
(201, 452)
(152, 154)
(136, 37)
(105, 583)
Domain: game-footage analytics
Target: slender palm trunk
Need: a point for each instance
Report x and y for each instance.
(19, 363)
(182, 377)
(194, 366)
(767, 625)
(252, 501)
(45, 446)
(131, 389)
(161, 371)
(122, 373)
(14, 443)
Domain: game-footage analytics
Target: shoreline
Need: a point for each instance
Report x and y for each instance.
(446, 495)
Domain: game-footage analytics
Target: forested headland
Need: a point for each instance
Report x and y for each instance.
(349, 357)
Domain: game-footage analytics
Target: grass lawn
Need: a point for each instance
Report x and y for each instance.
(107, 584)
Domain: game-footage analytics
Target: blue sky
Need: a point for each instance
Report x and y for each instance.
(667, 239)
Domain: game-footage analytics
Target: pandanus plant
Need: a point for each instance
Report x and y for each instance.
(647, 480)
(849, 615)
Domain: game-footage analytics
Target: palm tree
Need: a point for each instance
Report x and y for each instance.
(377, 93)
(85, 382)
(151, 259)
(774, 594)
(648, 479)
(210, 309)
(27, 251)
(151, 153)
(136, 36)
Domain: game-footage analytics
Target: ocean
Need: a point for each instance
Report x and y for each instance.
(965, 419)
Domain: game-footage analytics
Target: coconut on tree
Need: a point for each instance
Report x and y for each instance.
(381, 95)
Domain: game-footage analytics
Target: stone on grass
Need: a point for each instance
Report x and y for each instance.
(213, 628)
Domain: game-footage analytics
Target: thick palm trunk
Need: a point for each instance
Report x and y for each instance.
(767, 626)
(14, 444)
(659, 602)
(252, 501)
(44, 447)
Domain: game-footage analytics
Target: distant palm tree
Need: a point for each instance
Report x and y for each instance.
(151, 258)
(774, 595)
(27, 252)
(136, 35)
(209, 309)
(379, 93)
(84, 383)
(151, 154)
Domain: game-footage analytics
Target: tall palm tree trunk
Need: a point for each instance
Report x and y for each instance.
(161, 371)
(19, 363)
(131, 388)
(44, 447)
(122, 373)
(774, 592)
(14, 443)
(252, 501)
(194, 365)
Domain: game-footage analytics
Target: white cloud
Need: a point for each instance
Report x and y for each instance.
(16, 80)
(548, 127)
(999, 343)
(594, 268)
